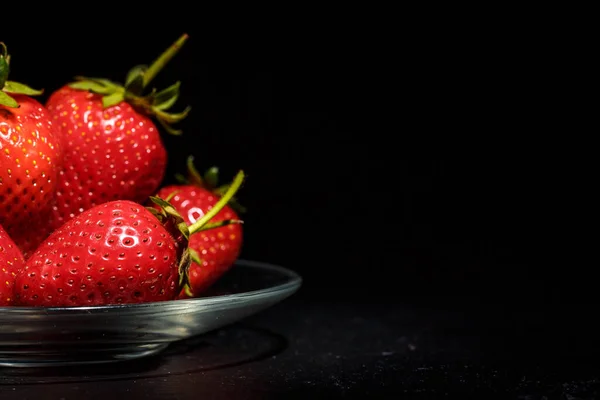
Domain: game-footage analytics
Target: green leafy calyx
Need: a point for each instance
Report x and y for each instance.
(208, 181)
(10, 87)
(155, 103)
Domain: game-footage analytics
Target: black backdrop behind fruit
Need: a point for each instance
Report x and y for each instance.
(374, 168)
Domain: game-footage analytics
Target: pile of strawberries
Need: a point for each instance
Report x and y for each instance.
(84, 220)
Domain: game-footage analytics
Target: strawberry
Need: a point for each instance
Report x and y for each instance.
(217, 249)
(11, 263)
(113, 149)
(30, 157)
(114, 253)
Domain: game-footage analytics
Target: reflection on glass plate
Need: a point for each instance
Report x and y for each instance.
(34, 337)
(223, 348)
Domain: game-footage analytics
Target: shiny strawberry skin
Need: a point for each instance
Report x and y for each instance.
(110, 154)
(218, 248)
(11, 263)
(30, 159)
(114, 253)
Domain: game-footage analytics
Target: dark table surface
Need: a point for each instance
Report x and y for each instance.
(342, 349)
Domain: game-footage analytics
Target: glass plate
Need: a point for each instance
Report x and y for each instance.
(34, 337)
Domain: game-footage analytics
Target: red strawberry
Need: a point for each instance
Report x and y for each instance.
(217, 248)
(11, 263)
(113, 149)
(30, 158)
(115, 253)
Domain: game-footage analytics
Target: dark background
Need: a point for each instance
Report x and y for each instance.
(381, 164)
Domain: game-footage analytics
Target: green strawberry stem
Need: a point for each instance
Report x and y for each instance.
(227, 196)
(163, 59)
(7, 86)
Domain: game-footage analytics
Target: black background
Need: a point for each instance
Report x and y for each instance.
(431, 156)
(382, 163)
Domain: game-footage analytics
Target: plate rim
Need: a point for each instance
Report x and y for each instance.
(293, 284)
